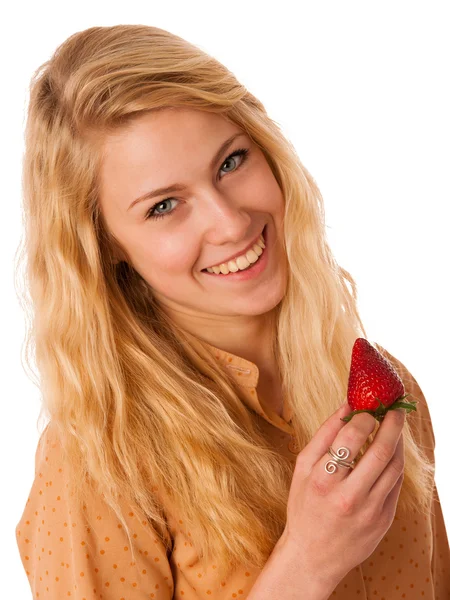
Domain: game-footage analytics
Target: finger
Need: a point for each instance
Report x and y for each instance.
(377, 456)
(349, 440)
(390, 504)
(325, 435)
(386, 481)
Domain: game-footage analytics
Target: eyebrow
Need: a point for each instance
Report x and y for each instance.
(177, 187)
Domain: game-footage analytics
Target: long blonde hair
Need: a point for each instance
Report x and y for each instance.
(142, 415)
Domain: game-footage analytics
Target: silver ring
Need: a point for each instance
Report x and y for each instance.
(338, 459)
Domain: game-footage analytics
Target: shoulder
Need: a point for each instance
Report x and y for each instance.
(84, 547)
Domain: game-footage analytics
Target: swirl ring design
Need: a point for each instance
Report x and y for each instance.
(338, 459)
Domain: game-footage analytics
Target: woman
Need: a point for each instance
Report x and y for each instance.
(187, 389)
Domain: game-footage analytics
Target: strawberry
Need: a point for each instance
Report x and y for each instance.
(374, 386)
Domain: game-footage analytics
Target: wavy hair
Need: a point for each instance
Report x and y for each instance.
(117, 376)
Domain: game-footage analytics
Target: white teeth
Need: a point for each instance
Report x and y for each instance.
(241, 262)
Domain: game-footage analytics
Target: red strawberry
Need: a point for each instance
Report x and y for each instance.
(374, 386)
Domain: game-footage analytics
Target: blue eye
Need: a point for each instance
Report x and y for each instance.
(243, 152)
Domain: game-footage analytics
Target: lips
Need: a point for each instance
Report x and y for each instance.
(249, 247)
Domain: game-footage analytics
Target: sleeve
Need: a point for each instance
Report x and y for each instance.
(422, 428)
(84, 553)
(440, 562)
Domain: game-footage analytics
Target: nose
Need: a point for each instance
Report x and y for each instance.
(226, 221)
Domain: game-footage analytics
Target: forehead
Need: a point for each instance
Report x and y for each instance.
(167, 132)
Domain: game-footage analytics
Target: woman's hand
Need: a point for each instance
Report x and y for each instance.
(335, 521)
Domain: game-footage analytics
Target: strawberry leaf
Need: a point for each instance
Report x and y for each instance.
(380, 412)
(408, 406)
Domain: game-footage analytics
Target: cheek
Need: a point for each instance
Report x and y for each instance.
(273, 193)
(168, 255)
(262, 184)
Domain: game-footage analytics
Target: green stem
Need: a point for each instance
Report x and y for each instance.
(381, 410)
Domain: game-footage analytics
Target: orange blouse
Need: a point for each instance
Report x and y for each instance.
(65, 558)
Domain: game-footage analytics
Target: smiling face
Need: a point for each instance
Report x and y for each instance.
(221, 206)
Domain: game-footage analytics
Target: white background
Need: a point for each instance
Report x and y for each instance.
(361, 89)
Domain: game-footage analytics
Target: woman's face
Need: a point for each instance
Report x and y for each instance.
(221, 206)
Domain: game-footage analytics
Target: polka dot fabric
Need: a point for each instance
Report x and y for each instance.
(84, 554)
